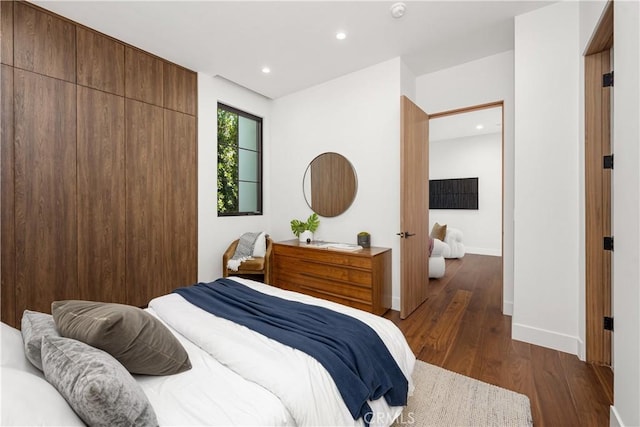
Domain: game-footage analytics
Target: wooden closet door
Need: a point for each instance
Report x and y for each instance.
(181, 215)
(144, 202)
(143, 77)
(45, 191)
(100, 62)
(101, 196)
(180, 89)
(7, 236)
(6, 32)
(44, 43)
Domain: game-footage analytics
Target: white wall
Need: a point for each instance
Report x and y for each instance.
(486, 80)
(546, 246)
(476, 156)
(407, 82)
(626, 212)
(358, 116)
(215, 233)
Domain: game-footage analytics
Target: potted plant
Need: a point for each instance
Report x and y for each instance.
(304, 229)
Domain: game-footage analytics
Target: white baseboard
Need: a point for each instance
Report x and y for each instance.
(395, 303)
(482, 251)
(614, 417)
(582, 350)
(545, 338)
(507, 308)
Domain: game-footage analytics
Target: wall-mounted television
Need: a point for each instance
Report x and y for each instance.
(458, 193)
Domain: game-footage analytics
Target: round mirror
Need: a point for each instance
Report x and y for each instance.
(330, 184)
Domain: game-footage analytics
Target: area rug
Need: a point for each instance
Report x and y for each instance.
(445, 398)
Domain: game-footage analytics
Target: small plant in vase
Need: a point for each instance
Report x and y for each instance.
(304, 229)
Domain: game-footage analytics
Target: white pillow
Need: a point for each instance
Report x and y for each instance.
(260, 248)
(28, 400)
(12, 350)
(439, 248)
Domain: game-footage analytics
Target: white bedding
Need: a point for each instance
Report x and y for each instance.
(26, 398)
(235, 387)
(293, 388)
(210, 394)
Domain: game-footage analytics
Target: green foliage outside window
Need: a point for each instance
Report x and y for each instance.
(239, 162)
(227, 161)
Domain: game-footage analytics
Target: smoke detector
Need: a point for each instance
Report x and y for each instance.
(398, 9)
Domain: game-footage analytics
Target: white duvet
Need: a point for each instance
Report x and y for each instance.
(305, 391)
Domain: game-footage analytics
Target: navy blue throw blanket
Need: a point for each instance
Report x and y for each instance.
(353, 353)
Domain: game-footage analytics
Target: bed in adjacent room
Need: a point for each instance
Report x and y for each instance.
(238, 376)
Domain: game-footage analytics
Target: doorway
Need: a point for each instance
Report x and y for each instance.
(469, 143)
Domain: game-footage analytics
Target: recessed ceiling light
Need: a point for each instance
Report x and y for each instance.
(341, 35)
(266, 70)
(480, 127)
(398, 10)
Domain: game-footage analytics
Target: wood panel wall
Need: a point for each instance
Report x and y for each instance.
(6, 32)
(101, 220)
(7, 238)
(45, 190)
(180, 182)
(145, 184)
(98, 166)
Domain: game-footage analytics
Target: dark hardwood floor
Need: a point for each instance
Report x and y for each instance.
(461, 328)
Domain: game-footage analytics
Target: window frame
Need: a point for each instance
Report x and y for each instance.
(259, 148)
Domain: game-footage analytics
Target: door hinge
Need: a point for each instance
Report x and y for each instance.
(608, 323)
(607, 162)
(608, 243)
(607, 79)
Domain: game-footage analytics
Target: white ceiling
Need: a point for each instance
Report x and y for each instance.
(296, 39)
(465, 124)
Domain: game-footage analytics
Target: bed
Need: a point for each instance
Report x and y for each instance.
(237, 376)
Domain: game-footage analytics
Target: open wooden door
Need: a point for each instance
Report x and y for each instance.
(598, 170)
(414, 206)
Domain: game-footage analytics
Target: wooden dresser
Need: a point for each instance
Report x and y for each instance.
(359, 279)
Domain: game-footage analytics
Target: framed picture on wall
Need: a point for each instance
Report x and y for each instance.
(458, 193)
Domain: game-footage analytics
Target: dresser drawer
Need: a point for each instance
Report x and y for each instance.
(304, 283)
(306, 268)
(350, 259)
(325, 294)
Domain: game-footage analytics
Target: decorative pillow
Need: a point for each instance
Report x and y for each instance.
(438, 231)
(135, 338)
(12, 352)
(29, 400)
(36, 325)
(260, 248)
(98, 388)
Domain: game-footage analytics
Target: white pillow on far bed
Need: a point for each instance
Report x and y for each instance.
(12, 351)
(28, 400)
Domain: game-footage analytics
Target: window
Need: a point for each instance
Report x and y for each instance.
(239, 162)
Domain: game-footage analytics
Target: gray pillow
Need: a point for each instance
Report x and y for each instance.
(97, 386)
(135, 338)
(34, 326)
